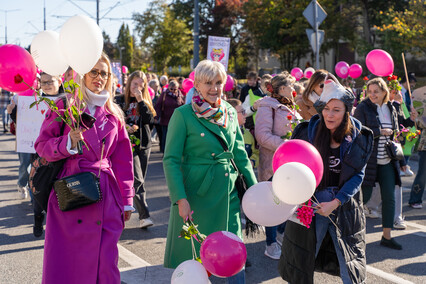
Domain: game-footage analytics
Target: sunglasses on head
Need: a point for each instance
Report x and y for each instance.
(94, 73)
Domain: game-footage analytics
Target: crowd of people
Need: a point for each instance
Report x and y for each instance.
(207, 139)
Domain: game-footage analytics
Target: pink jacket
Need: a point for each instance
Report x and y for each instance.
(271, 124)
(81, 244)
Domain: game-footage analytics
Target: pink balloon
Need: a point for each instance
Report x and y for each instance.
(151, 92)
(302, 152)
(355, 71)
(124, 69)
(297, 73)
(17, 68)
(223, 254)
(379, 62)
(192, 75)
(309, 72)
(187, 85)
(342, 69)
(30, 92)
(229, 85)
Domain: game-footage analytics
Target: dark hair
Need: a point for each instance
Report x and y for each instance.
(323, 138)
(252, 75)
(411, 78)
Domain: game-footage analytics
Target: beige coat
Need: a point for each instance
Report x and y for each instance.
(306, 108)
(271, 124)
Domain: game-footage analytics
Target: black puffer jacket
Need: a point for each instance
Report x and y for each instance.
(297, 262)
(366, 112)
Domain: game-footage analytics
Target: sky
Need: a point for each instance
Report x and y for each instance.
(25, 17)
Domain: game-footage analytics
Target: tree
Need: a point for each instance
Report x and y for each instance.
(126, 40)
(167, 38)
(109, 48)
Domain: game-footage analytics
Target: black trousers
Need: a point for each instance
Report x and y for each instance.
(140, 167)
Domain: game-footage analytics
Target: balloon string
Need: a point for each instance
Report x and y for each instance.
(316, 200)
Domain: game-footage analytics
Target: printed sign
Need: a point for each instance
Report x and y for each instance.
(28, 125)
(218, 49)
(116, 69)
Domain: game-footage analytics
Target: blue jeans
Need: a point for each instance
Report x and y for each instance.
(271, 233)
(322, 225)
(24, 162)
(239, 278)
(5, 117)
(419, 182)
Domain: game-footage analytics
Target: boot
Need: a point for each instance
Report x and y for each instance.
(38, 225)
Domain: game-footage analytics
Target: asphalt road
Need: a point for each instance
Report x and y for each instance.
(141, 251)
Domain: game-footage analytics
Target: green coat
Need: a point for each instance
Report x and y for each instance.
(198, 169)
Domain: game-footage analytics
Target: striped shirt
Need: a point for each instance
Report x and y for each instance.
(386, 122)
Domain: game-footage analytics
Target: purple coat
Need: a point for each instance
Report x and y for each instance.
(166, 105)
(81, 245)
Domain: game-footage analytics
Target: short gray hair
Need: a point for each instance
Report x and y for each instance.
(208, 70)
(153, 82)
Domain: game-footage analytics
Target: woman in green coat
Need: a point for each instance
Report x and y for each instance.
(199, 174)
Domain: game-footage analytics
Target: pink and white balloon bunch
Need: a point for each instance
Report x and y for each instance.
(298, 170)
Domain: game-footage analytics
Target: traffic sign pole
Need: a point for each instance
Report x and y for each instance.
(316, 36)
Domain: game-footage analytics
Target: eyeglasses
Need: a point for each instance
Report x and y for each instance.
(94, 73)
(321, 86)
(46, 83)
(172, 90)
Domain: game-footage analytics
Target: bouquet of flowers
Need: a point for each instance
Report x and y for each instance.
(393, 83)
(190, 232)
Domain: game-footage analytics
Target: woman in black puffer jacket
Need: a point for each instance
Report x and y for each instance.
(345, 146)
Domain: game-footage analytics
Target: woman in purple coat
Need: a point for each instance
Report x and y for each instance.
(81, 244)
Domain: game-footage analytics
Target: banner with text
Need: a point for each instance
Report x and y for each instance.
(28, 125)
(218, 49)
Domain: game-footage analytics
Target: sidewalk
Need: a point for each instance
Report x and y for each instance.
(21, 254)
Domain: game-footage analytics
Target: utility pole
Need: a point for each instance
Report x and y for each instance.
(44, 14)
(97, 12)
(316, 36)
(196, 34)
(5, 22)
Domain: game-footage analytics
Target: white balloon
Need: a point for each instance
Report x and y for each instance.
(309, 69)
(47, 54)
(262, 207)
(81, 43)
(293, 183)
(190, 272)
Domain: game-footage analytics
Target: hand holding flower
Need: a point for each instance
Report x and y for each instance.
(75, 135)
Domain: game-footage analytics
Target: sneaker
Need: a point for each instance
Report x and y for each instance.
(23, 191)
(400, 224)
(273, 251)
(416, 206)
(370, 213)
(408, 172)
(280, 238)
(145, 223)
(401, 173)
(390, 243)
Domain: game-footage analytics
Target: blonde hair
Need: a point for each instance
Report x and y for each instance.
(145, 92)
(382, 86)
(110, 106)
(208, 70)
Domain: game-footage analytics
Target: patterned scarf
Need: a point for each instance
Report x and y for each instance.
(217, 115)
(283, 100)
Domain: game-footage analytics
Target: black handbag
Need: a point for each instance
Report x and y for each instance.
(394, 150)
(77, 191)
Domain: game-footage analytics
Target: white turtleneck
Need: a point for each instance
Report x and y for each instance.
(313, 97)
(96, 100)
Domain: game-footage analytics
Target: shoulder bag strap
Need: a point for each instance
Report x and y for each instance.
(225, 147)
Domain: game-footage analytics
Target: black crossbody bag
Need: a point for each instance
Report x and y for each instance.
(393, 149)
(79, 190)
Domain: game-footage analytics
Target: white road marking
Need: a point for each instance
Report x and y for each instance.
(387, 276)
(132, 259)
(415, 225)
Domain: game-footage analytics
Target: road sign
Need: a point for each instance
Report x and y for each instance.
(311, 37)
(309, 13)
